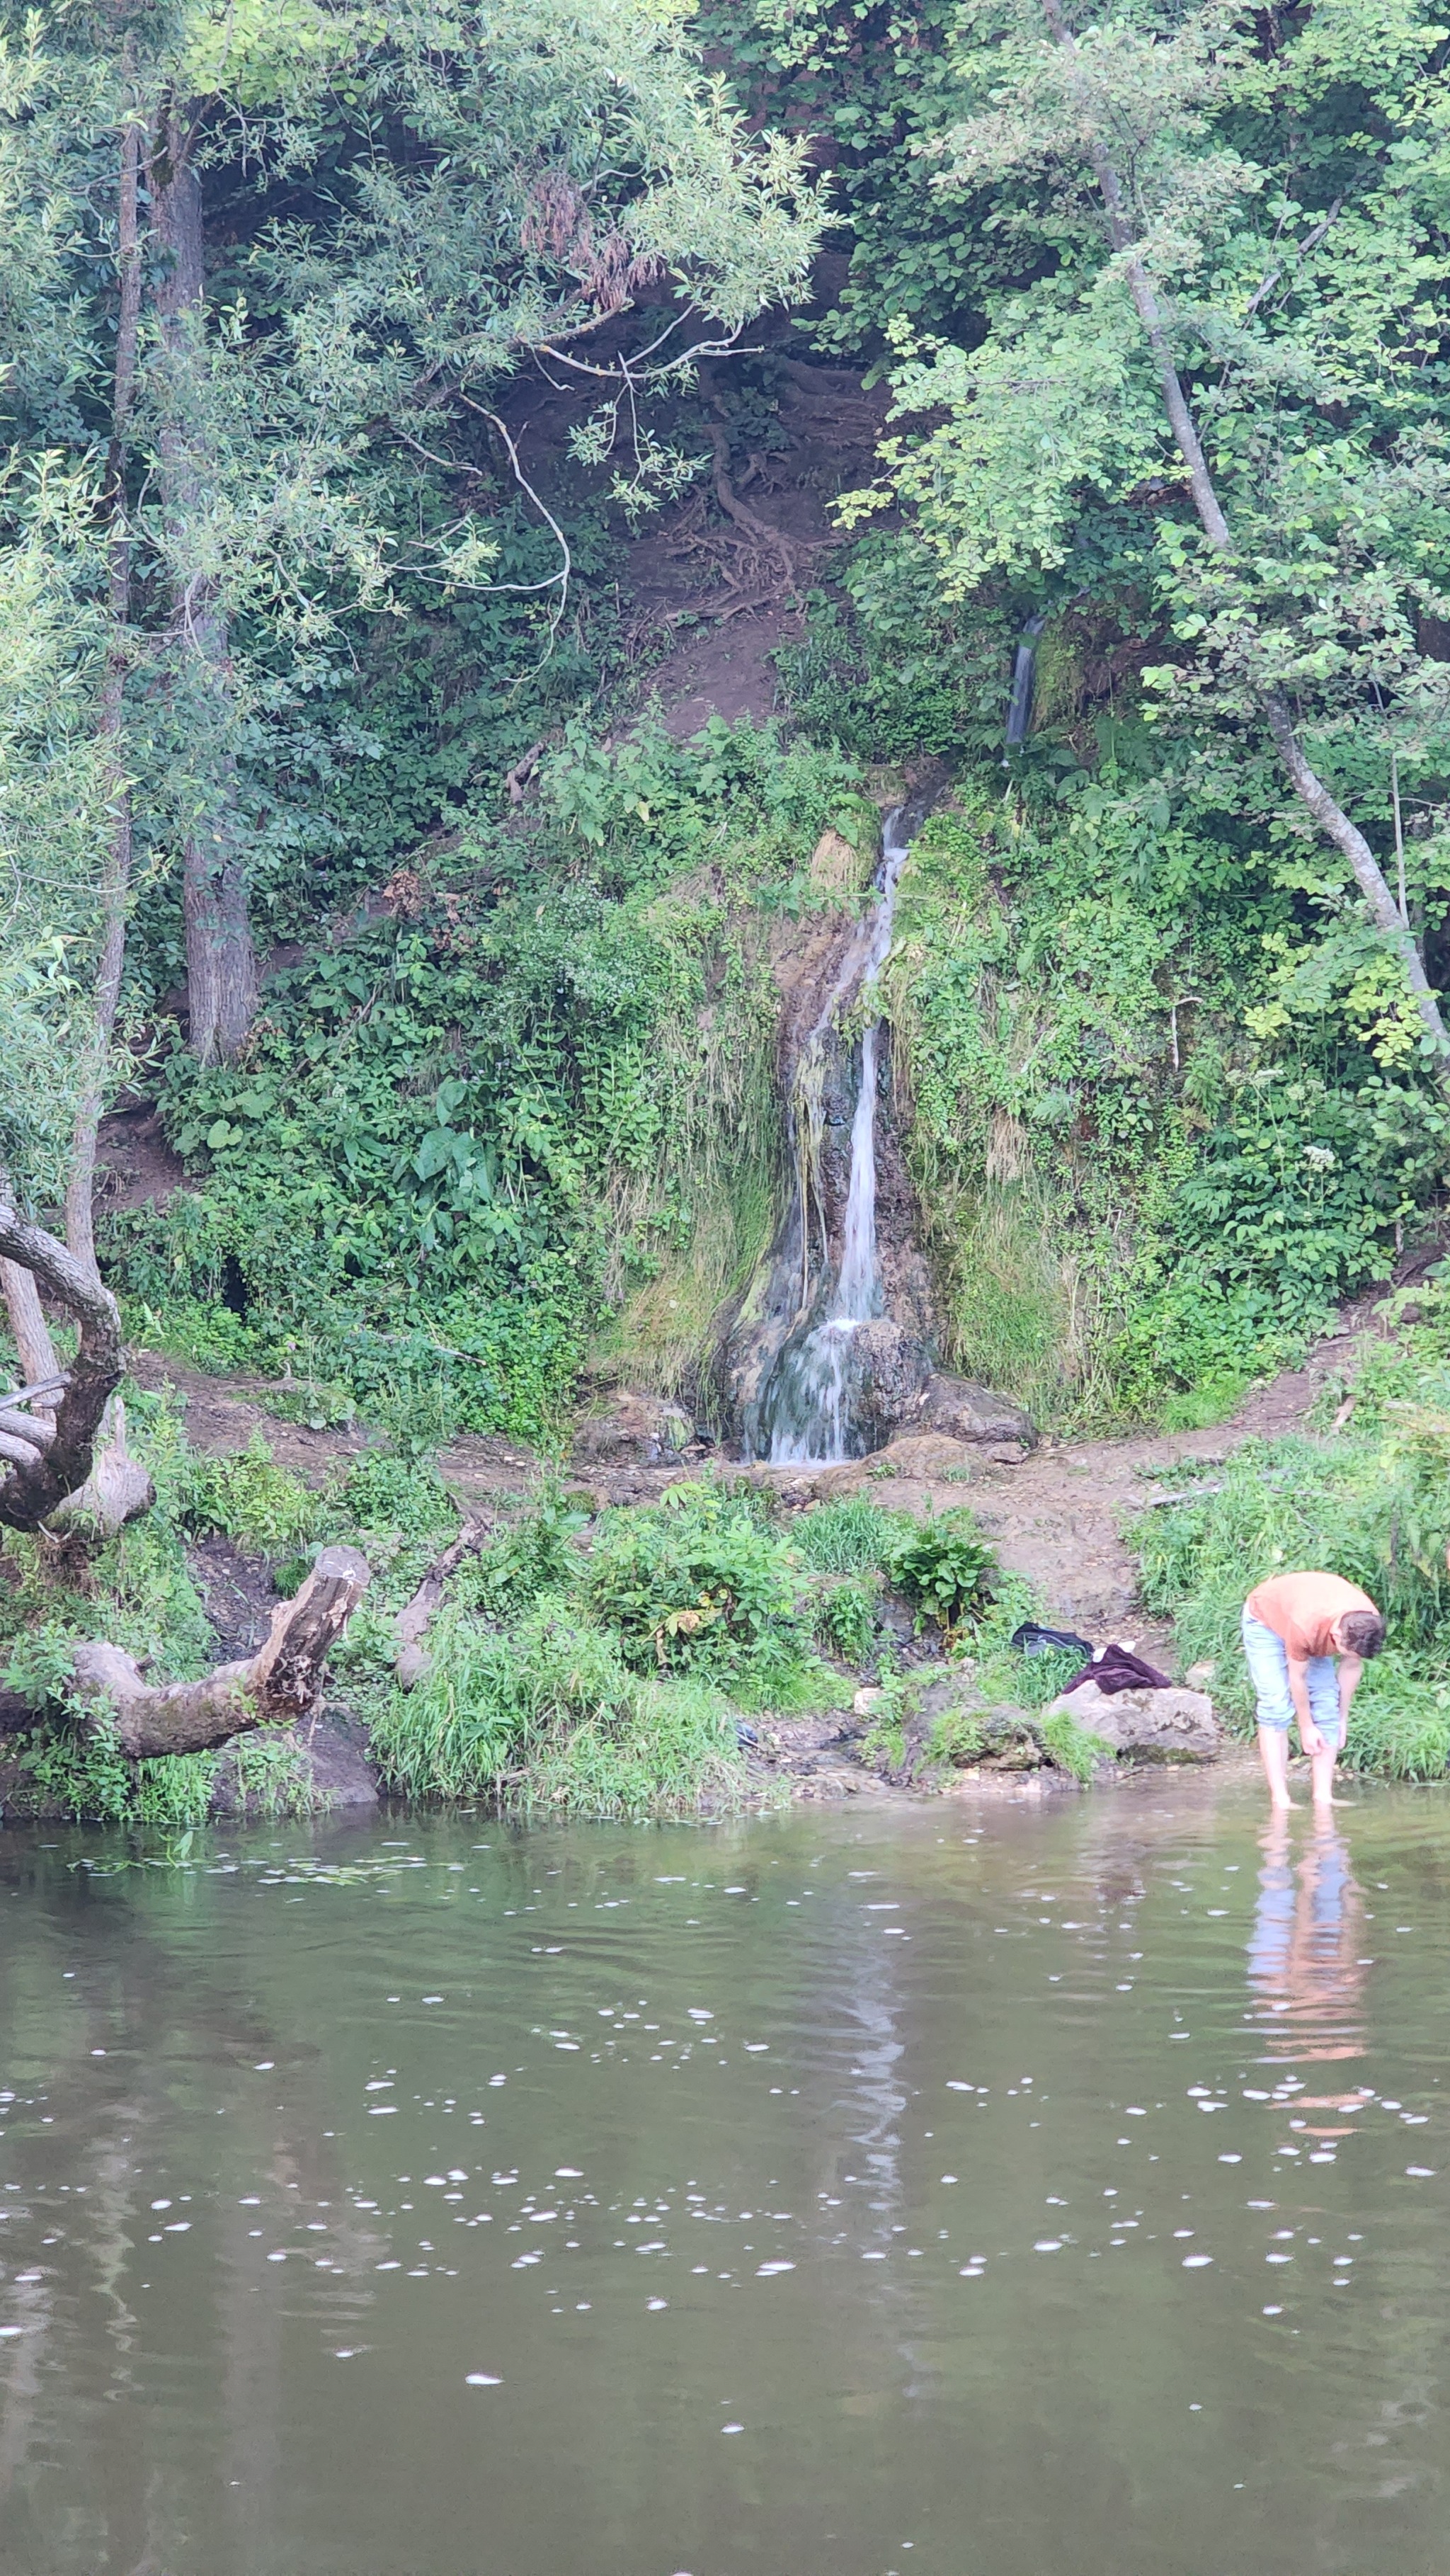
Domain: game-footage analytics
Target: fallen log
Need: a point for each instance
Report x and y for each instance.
(411, 1623)
(278, 1685)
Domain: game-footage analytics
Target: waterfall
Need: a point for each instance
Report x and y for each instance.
(808, 1401)
(1024, 672)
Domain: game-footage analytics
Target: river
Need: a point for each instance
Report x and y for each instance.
(930, 2191)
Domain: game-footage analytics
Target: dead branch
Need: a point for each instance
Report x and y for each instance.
(411, 1623)
(33, 1488)
(277, 1686)
(517, 778)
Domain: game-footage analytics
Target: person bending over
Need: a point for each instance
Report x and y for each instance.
(1294, 1626)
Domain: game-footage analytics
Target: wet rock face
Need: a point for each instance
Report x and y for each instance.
(889, 1358)
(633, 1430)
(892, 1368)
(1147, 1725)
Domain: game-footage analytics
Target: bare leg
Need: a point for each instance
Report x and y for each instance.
(1322, 1769)
(1274, 1755)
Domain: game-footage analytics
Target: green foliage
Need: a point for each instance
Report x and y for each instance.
(80, 1770)
(535, 1554)
(944, 1567)
(1072, 1747)
(846, 1619)
(397, 1495)
(273, 1777)
(956, 1737)
(534, 1097)
(246, 1494)
(854, 1536)
(699, 1584)
(1139, 1201)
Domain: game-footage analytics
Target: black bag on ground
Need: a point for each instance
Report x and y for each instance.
(1029, 1639)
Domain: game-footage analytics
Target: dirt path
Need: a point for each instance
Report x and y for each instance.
(1058, 1517)
(223, 1413)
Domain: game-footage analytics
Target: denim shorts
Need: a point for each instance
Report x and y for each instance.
(1268, 1662)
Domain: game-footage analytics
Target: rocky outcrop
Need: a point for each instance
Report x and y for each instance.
(1146, 1725)
(633, 1430)
(962, 1410)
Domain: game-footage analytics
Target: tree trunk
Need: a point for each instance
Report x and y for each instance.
(221, 968)
(116, 879)
(29, 1329)
(278, 1685)
(1308, 786)
(61, 1446)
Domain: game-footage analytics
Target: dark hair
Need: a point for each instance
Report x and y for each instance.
(1362, 1632)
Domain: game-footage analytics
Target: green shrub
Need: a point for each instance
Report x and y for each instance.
(404, 1495)
(944, 1567)
(251, 1498)
(1072, 1747)
(698, 1584)
(849, 1537)
(846, 1619)
(535, 1554)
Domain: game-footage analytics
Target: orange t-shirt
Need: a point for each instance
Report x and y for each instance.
(1302, 1608)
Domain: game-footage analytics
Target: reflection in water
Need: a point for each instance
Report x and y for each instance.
(1304, 1964)
(779, 2197)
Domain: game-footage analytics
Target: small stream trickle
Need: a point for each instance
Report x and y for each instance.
(807, 1405)
(1024, 681)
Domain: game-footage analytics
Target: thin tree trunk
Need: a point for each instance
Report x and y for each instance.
(29, 1330)
(1308, 786)
(221, 968)
(116, 880)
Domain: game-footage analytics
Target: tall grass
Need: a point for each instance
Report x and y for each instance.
(551, 1716)
(849, 1537)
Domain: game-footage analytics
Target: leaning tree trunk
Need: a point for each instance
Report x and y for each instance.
(278, 1685)
(1316, 797)
(46, 1454)
(221, 966)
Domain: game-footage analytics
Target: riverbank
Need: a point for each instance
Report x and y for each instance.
(691, 1637)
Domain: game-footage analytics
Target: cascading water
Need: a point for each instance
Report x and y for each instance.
(1024, 676)
(806, 1407)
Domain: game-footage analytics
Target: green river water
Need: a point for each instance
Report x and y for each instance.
(938, 2191)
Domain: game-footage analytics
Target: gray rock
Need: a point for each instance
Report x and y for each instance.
(633, 1430)
(330, 1752)
(965, 1411)
(1146, 1725)
(891, 1368)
